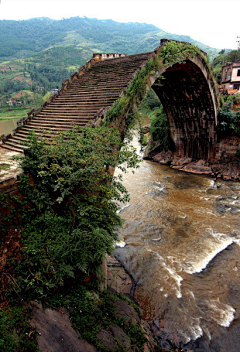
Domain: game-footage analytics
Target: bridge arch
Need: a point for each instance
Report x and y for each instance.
(190, 101)
(189, 94)
(110, 87)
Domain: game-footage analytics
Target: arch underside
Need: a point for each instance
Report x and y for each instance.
(186, 97)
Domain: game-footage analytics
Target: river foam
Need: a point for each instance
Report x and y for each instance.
(205, 258)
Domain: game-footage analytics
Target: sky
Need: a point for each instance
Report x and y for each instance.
(212, 22)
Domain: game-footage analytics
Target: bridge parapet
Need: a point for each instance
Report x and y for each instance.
(106, 56)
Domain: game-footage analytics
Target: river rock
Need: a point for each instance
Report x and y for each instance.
(164, 158)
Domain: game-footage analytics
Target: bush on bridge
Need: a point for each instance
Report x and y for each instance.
(173, 52)
(125, 107)
(70, 220)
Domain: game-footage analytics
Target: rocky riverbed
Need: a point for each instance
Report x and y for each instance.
(228, 170)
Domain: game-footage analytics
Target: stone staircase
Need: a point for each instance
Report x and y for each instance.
(82, 100)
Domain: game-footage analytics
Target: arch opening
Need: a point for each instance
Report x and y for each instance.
(185, 94)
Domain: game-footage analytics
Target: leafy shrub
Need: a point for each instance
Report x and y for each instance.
(229, 121)
(70, 219)
(173, 52)
(150, 101)
(235, 98)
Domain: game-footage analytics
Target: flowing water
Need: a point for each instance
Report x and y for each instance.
(182, 246)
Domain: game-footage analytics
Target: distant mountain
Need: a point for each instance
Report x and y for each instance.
(37, 55)
(21, 39)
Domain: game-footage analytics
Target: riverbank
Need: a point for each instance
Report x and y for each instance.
(228, 170)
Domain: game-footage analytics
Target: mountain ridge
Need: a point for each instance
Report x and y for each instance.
(40, 33)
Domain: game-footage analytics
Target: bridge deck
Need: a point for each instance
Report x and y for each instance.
(98, 88)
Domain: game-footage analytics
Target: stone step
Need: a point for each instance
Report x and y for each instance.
(105, 82)
(39, 132)
(84, 95)
(61, 109)
(39, 128)
(95, 88)
(73, 103)
(80, 115)
(98, 88)
(8, 186)
(13, 146)
(72, 120)
(51, 125)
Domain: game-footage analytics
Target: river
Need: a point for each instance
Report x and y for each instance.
(182, 235)
(7, 126)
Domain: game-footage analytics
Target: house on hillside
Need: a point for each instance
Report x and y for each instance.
(231, 77)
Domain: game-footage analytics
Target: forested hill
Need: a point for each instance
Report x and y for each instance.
(37, 55)
(21, 39)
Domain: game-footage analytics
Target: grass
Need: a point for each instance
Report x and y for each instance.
(14, 113)
(16, 334)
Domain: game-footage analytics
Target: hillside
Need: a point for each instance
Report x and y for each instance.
(20, 39)
(37, 55)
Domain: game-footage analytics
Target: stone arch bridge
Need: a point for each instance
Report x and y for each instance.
(185, 87)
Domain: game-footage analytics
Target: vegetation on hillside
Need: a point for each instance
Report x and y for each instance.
(24, 38)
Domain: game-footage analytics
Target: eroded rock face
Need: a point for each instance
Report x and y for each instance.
(56, 334)
(55, 331)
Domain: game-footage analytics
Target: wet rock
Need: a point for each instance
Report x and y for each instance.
(157, 193)
(226, 197)
(151, 149)
(234, 210)
(114, 336)
(228, 171)
(164, 158)
(55, 331)
(221, 208)
(127, 312)
(117, 277)
(176, 162)
(200, 167)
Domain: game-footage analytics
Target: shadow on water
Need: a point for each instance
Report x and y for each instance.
(187, 181)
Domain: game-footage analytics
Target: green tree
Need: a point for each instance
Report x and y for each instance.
(70, 221)
(229, 120)
(160, 130)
